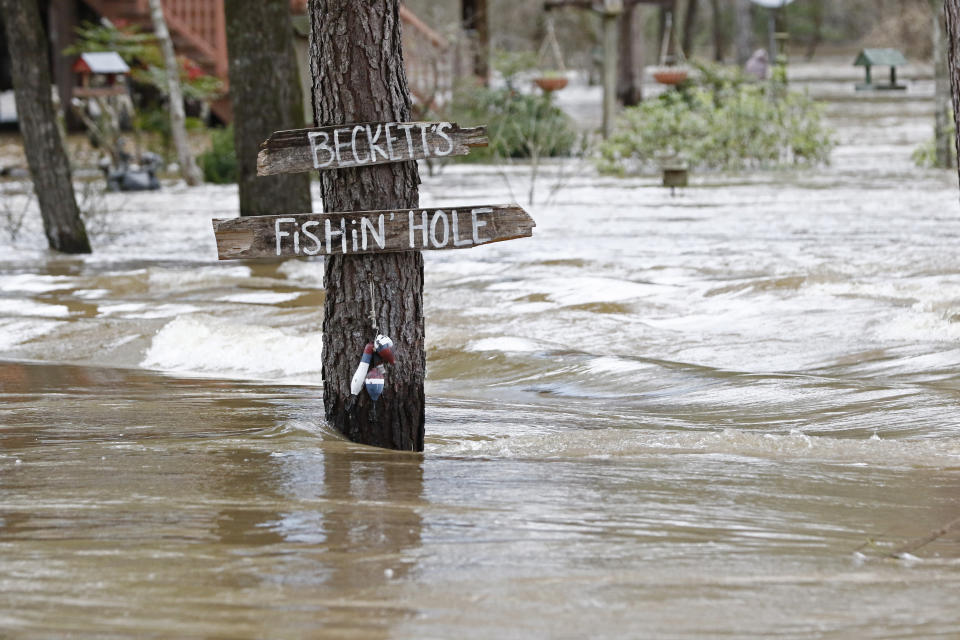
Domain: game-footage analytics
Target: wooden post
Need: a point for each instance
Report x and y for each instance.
(611, 11)
(630, 59)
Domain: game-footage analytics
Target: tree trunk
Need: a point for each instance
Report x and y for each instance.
(744, 30)
(816, 14)
(266, 96)
(630, 59)
(49, 167)
(689, 20)
(476, 23)
(357, 68)
(178, 127)
(952, 15)
(941, 122)
(719, 41)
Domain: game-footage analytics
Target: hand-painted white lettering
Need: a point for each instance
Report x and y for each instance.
(379, 237)
(374, 147)
(439, 216)
(316, 147)
(422, 226)
(424, 128)
(353, 145)
(406, 129)
(390, 140)
(329, 233)
(316, 241)
(280, 234)
(477, 238)
(454, 219)
(439, 130)
(337, 145)
(353, 234)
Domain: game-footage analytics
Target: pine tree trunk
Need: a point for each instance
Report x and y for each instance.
(719, 42)
(266, 96)
(49, 167)
(358, 76)
(744, 30)
(941, 122)
(178, 117)
(630, 59)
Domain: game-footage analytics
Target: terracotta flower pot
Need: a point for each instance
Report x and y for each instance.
(670, 75)
(551, 83)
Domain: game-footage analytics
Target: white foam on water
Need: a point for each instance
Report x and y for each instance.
(260, 297)
(16, 331)
(21, 307)
(505, 344)
(202, 344)
(627, 443)
(33, 283)
(306, 273)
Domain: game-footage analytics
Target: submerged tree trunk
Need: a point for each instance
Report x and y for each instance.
(952, 15)
(816, 14)
(49, 167)
(719, 40)
(941, 123)
(743, 21)
(266, 96)
(630, 59)
(178, 117)
(358, 76)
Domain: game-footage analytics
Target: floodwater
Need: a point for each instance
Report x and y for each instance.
(708, 415)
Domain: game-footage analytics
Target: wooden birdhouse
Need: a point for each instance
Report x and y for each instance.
(99, 73)
(884, 57)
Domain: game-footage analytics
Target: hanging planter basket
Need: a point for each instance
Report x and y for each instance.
(549, 84)
(671, 76)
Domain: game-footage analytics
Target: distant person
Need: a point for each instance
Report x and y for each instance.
(757, 65)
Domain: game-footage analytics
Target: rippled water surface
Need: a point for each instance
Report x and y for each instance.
(708, 415)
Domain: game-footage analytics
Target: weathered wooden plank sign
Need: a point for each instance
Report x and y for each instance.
(365, 144)
(312, 234)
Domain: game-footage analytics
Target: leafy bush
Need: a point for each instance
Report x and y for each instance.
(925, 155)
(219, 163)
(720, 120)
(519, 125)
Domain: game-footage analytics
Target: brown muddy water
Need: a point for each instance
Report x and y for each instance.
(709, 415)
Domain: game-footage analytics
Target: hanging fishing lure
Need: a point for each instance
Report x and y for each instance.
(370, 372)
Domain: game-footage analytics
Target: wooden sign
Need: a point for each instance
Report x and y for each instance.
(361, 145)
(312, 234)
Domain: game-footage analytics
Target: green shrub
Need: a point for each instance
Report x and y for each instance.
(519, 125)
(219, 163)
(721, 120)
(925, 155)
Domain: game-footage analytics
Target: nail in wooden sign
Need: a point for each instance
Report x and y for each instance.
(360, 145)
(312, 234)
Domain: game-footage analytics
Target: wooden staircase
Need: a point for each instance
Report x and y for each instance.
(198, 29)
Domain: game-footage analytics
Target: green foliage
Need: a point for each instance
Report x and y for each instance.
(721, 120)
(143, 55)
(219, 163)
(518, 125)
(925, 155)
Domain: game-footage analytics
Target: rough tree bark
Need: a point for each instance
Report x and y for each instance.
(941, 123)
(357, 68)
(952, 18)
(266, 96)
(689, 20)
(744, 31)
(719, 39)
(630, 59)
(476, 23)
(178, 117)
(49, 167)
